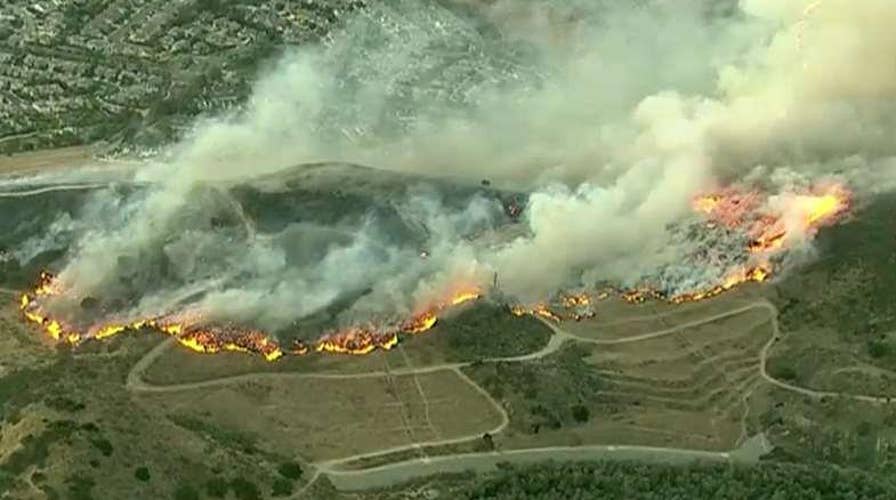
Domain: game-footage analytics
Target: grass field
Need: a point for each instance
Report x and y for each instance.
(46, 159)
(179, 365)
(617, 319)
(469, 334)
(328, 419)
(683, 390)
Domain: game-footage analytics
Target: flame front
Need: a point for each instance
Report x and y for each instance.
(358, 340)
(770, 230)
(209, 339)
(420, 323)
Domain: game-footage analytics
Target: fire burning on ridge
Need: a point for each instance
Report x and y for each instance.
(192, 332)
(358, 340)
(772, 225)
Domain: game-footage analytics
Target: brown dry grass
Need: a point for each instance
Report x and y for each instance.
(682, 390)
(329, 419)
(21, 345)
(618, 319)
(49, 158)
(179, 365)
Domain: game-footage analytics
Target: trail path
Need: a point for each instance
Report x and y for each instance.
(392, 473)
(51, 189)
(386, 475)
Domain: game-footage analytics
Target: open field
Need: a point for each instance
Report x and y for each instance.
(466, 335)
(822, 359)
(618, 319)
(328, 419)
(45, 159)
(838, 431)
(692, 385)
(682, 389)
(476, 332)
(686, 377)
(19, 346)
(179, 365)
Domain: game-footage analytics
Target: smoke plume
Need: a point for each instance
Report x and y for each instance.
(610, 116)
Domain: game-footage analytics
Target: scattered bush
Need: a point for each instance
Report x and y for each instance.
(186, 492)
(103, 445)
(142, 473)
(216, 487)
(282, 487)
(290, 470)
(243, 489)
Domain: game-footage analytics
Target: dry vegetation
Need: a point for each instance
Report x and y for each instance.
(328, 419)
(682, 390)
(46, 159)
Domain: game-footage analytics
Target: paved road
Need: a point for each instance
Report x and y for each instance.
(51, 189)
(661, 333)
(385, 475)
(136, 383)
(763, 361)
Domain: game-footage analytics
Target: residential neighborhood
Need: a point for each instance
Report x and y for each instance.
(82, 71)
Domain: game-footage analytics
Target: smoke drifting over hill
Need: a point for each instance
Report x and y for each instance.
(612, 117)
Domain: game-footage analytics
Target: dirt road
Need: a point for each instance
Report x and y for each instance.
(385, 475)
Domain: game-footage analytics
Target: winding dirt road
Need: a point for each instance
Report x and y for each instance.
(385, 475)
(51, 189)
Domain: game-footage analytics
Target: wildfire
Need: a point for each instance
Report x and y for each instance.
(706, 204)
(108, 331)
(31, 310)
(535, 310)
(463, 297)
(357, 341)
(577, 300)
(299, 348)
(824, 207)
(755, 274)
(220, 339)
(728, 207)
(420, 323)
(770, 223)
(641, 295)
(192, 332)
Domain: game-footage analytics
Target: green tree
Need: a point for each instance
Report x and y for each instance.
(142, 473)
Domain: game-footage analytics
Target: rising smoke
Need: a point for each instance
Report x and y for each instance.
(612, 115)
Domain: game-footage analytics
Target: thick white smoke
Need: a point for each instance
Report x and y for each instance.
(612, 116)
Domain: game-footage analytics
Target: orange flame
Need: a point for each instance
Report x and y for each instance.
(576, 300)
(360, 340)
(755, 274)
(356, 341)
(543, 311)
(768, 231)
(223, 338)
(420, 323)
(463, 297)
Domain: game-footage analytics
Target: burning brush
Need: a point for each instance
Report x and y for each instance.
(195, 334)
(769, 225)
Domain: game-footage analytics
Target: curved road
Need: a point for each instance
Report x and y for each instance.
(51, 189)
(385, 475)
